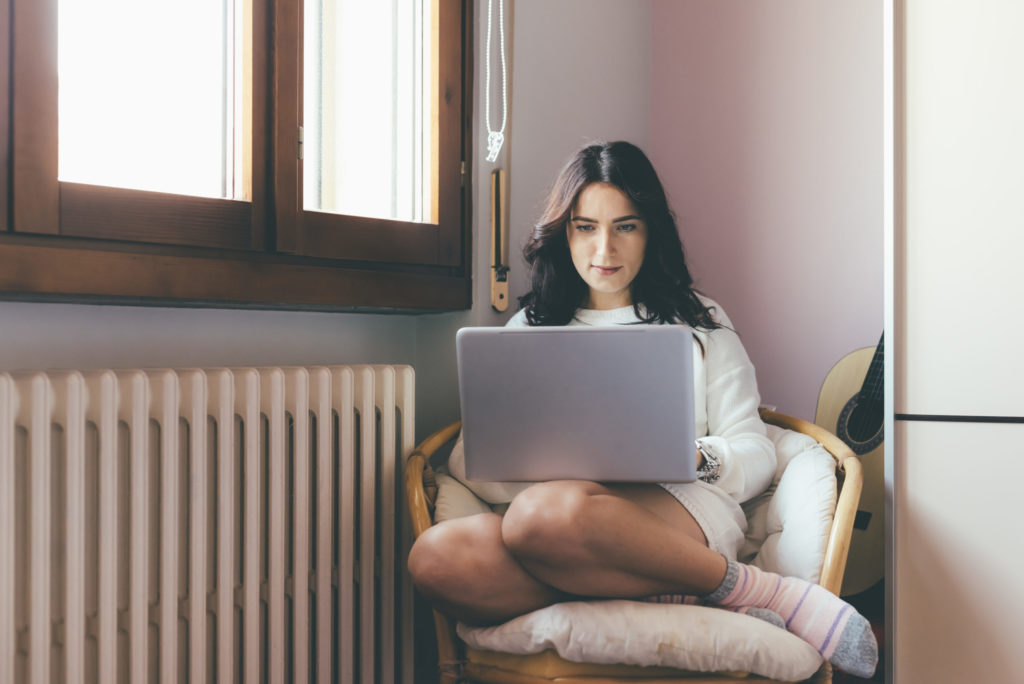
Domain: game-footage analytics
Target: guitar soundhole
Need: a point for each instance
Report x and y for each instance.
(861, 426)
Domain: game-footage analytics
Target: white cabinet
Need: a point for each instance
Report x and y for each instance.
(958, 598)
(958, 345)
(960, 278)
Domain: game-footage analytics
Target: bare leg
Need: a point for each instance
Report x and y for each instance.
(610, 541)
(564, 540)
(464, 569)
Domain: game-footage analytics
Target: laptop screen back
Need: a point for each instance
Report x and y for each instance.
(611, 404)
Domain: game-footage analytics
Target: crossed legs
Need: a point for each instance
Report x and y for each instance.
(570, 539)
(560, 540)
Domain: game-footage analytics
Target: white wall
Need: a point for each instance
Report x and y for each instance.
(766, 127)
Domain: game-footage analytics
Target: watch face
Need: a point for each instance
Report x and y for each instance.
(708, 472)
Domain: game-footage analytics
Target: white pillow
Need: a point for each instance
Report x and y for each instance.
(788, 525)
(688, 637)
(454, 500)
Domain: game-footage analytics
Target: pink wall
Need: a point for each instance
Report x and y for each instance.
(766, 127)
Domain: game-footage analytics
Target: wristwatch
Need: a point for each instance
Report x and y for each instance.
(708, 471)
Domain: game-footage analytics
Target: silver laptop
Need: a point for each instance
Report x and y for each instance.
(611, 404)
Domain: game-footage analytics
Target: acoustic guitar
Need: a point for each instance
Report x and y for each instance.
(851, 405)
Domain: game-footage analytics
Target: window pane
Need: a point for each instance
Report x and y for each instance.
(368, 132)
(147, 95)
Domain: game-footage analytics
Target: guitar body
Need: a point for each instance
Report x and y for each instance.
(837, 405)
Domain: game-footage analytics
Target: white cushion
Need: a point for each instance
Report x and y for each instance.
(788, 525)
(454, 500)
(669, 635)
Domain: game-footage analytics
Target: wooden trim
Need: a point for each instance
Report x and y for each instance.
(468, 28)
(35, 192)
(118, 214)
(5, 119)
(287, 103)
(450, 219)
(44, 205)
(38, 203)
(363, 239)
(367, 239)
(257, 35)
(250, 280)
(436, 77)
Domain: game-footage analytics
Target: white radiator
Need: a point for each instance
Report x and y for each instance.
(219, 525)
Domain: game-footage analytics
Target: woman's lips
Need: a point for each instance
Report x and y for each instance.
(606, 270)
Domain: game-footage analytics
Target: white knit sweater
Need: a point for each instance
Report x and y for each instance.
(725, 411)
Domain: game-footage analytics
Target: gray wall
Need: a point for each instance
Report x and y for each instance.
(52, 336)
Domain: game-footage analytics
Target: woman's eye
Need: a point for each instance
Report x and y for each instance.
(627, 227)
(586, 227)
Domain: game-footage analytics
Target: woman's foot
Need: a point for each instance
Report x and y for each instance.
(841, 634)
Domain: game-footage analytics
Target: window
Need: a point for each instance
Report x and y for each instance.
(297, 153)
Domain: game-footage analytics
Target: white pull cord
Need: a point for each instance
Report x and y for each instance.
(495, 139)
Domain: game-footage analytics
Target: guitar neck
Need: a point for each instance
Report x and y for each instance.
(873, 388)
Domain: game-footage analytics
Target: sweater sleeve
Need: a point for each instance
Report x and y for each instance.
(736, 434)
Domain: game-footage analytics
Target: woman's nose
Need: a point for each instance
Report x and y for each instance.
(605, 242)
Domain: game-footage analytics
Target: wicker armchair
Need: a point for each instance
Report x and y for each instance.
(458, 663)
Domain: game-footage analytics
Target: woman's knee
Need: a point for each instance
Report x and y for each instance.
(445, 558)
(547, 519)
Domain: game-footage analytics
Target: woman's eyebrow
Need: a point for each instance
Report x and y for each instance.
(584, 219)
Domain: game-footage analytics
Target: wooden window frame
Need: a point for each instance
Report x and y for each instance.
(76, 242)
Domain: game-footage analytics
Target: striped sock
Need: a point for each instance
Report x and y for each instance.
(841, 634)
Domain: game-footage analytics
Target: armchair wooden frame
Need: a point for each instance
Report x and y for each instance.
(458, 663)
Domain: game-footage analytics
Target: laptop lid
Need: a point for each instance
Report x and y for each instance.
(612, 404)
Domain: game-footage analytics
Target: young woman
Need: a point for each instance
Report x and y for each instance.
(606, 251)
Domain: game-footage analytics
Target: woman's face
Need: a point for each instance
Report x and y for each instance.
(607, 239)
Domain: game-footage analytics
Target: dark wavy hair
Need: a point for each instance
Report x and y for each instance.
(663, 287)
